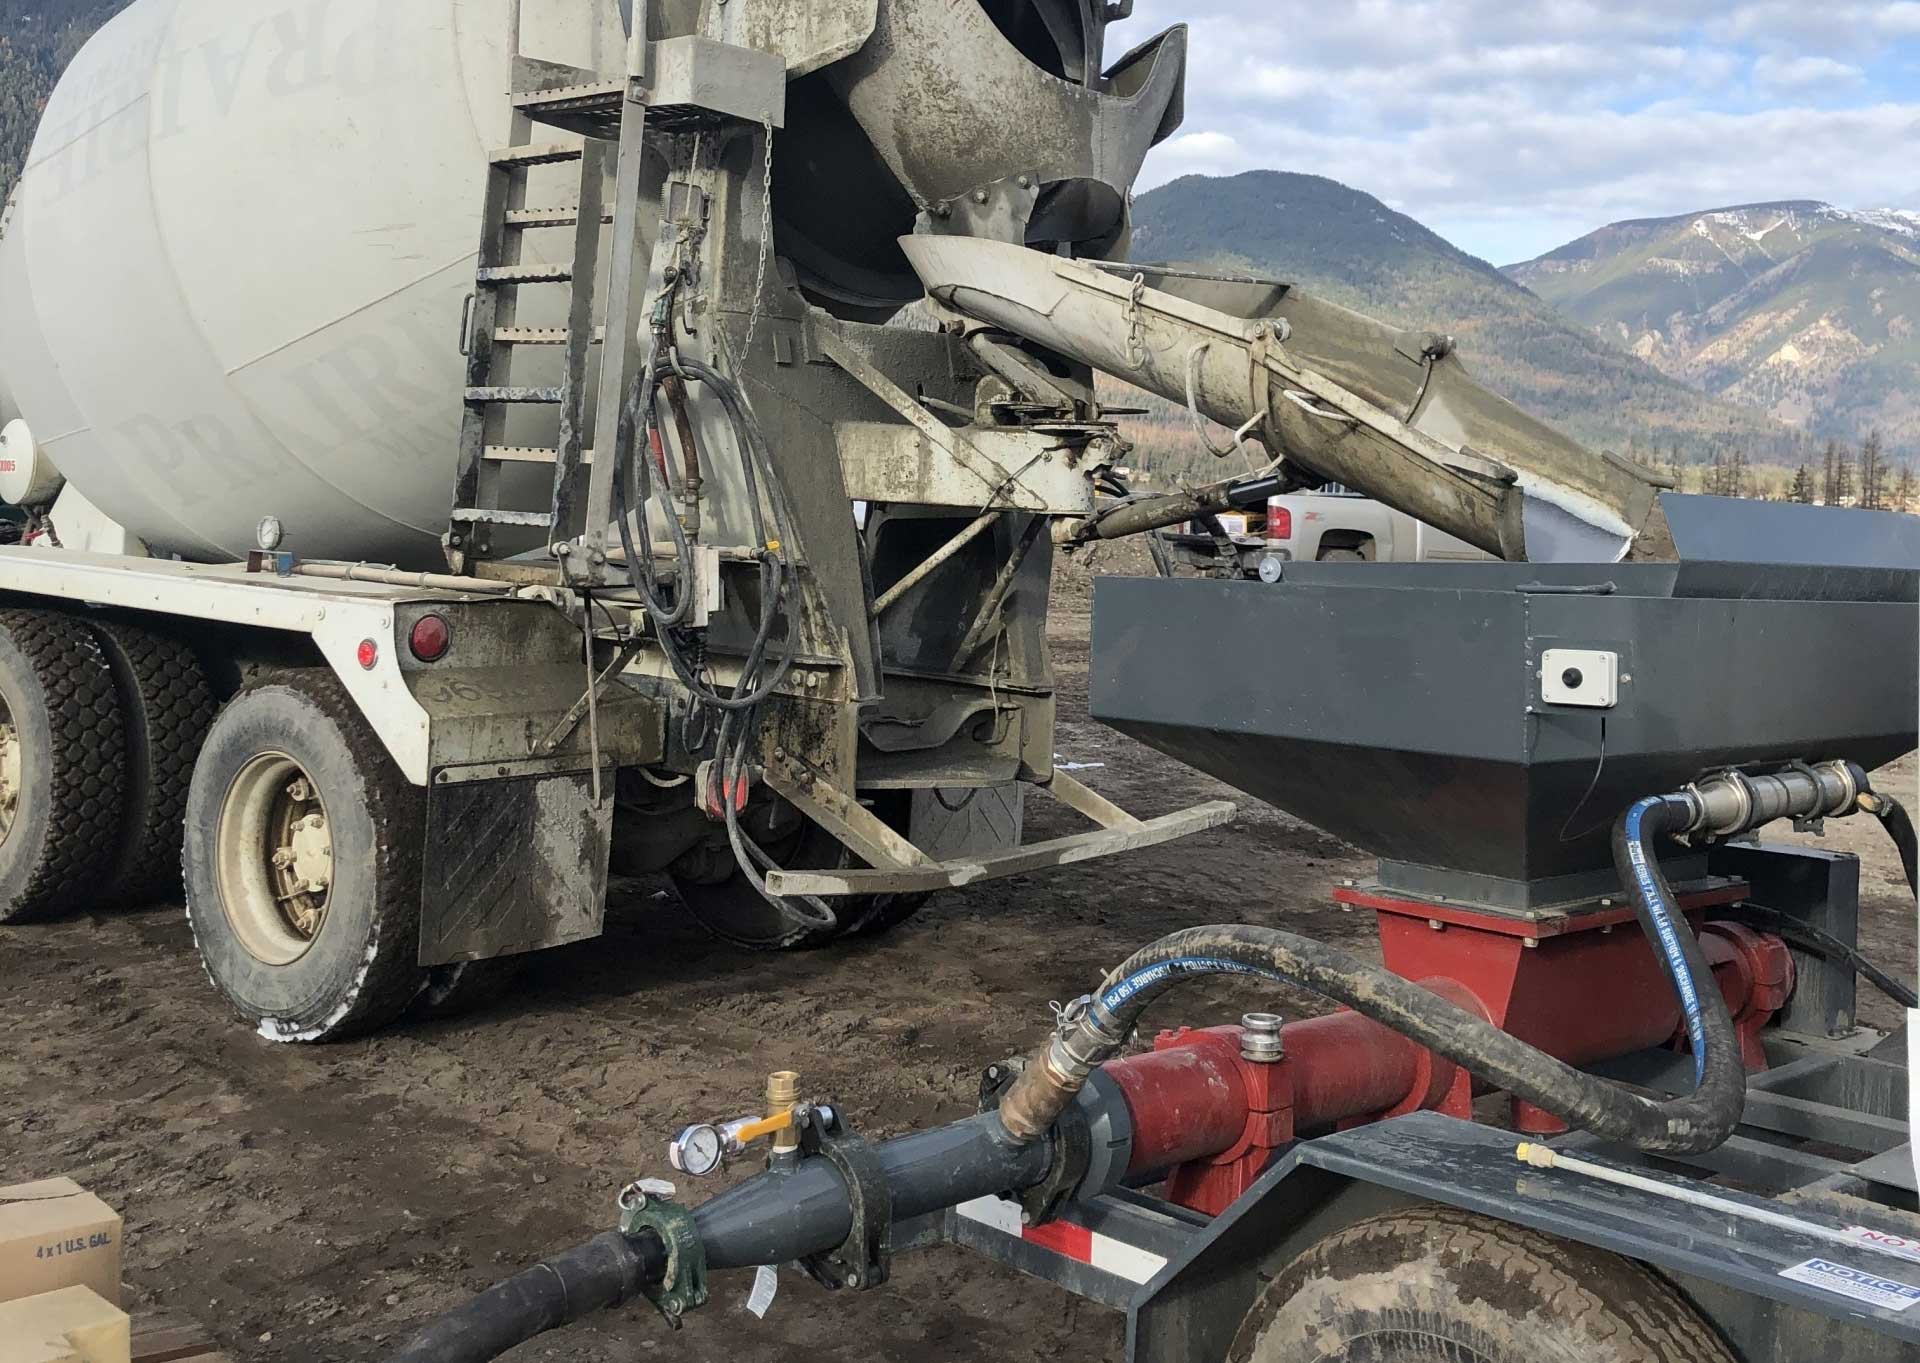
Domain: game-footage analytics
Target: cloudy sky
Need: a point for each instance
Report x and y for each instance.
(1510, 126)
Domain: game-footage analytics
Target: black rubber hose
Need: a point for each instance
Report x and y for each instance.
(1894, 818)
(605, 1271)
(1689, 1125)
(1822, 944)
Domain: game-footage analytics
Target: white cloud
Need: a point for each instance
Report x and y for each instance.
(1513, 127)
(1199, 153)
(1804, 73)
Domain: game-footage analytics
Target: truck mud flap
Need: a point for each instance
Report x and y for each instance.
(513, 866)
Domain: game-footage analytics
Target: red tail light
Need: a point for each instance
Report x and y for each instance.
(430, 638)
(1279, 521)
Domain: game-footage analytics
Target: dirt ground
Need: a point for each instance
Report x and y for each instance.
(317, 1203)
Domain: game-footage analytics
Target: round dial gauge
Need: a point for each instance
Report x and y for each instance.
(698, 1150)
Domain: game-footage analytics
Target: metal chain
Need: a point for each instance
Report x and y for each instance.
(766, 240)
(1136, 325)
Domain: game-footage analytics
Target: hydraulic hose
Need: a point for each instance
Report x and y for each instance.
(1700, 1121)
(1894, 818)
(605, 1271)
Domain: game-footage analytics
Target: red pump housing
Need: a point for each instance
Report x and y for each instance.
(1582, 988)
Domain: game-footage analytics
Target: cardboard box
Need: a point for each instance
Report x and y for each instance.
(73, 1325)
(56, 1234)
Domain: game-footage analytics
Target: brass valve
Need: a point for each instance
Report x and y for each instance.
(705, 1147)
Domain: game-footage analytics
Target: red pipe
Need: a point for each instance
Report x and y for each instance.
(1188, 1099)
(1345, 1065)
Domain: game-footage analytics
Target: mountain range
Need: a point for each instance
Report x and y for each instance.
(1798, 309)
(1350, 248)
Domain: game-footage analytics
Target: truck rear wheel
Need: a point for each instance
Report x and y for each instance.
(166, 707)
(302, 861)
(1436, 1285)
(733, 910)
(62, 766)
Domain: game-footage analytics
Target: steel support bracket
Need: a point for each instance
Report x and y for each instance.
(683, 1287)
(865, 1261)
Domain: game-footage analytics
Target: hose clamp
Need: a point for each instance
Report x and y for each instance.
(1849, 777)
(1723, 803)
(683, 1286)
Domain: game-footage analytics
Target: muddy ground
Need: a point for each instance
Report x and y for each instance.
(315, 1203)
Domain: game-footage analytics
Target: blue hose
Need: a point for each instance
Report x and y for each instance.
(1649, 888)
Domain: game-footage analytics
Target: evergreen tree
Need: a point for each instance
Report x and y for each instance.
(1831, 462)
(1903, 487)
(1873, 471)
(1842, 481)
(1802, 490)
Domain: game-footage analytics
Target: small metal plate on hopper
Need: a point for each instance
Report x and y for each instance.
(513, 866)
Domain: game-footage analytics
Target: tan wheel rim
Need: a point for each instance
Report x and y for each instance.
(9, 771)
(273, 859)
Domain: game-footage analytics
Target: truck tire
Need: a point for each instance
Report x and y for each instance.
(302, 861)
(166, 708)
(62, 766)
(732, 910)
(1342, 556)
(1436, 1285)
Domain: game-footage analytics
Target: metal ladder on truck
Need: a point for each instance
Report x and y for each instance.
(610, 116)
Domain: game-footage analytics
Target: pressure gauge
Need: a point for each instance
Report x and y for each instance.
(699, 1150)
(269, 534)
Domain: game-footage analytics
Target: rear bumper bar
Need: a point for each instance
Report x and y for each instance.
(1118, 832)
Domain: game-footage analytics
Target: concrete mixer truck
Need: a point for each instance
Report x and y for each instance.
(473, 446)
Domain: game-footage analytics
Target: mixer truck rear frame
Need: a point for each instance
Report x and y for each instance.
(739, 580)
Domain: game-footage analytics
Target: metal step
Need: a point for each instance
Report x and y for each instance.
(526, 218)
(540, 335)
(593, 108)
(539, 154)
(551, 395)
(525, 274)
(529, 454)
(480, 515)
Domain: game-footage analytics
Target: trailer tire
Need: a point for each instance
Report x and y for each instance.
(325, 944)
(166, 707)
(1447, 1285)
(61, 803)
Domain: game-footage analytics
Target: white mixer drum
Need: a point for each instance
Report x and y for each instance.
(233, 279)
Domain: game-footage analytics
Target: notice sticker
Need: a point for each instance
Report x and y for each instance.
(1900, 1246)
(766, 1282)
(1842, 1281)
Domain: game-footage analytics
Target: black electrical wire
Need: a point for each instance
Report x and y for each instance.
(778, 580)
(779, 574)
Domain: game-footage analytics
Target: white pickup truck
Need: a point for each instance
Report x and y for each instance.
(1328, 525)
